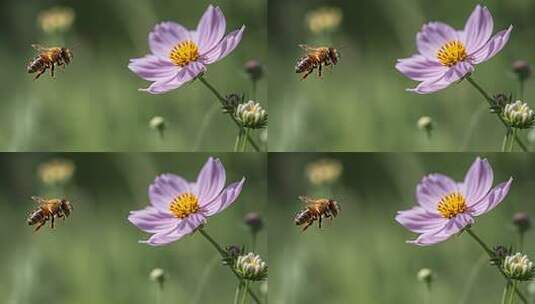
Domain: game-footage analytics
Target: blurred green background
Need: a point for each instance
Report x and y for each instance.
(362, 255)
(95, 104)
(94, 256)
(362, 105)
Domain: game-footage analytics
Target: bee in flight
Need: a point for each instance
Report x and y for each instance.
(316, 58)
(48, 210)
(48, 58)
(315, 210)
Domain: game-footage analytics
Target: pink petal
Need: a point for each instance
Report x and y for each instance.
(183, 228)
(452, 227)
(454, 74)
(493, 198)
(478, 181)
(184, 75)
(153, 68)
(432, 189)
(211, 29)
(432, 37)
(495, 45)
(225, 199)
(165, 37)
(165, 189)
(420, 68)
(210, 181)
(225, 47)
(478, 29)
(419, 220)
(152, 220)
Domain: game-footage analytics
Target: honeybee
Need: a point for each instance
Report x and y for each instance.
(315, 210)
(48, 210)
(48, 58)
(316, 58)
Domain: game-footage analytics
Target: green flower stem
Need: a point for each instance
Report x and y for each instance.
(244, 142)
(223, 254)
(506, 292)
(490, 101)
(237, 294)
(491, 254)
(244, 296)
(512, 294)
(222, 100)
(522, 82)
(239, 139)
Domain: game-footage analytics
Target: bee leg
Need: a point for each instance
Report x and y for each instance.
(52, 70)
(306, 74)
(319, 70)
(319, 222)
(41, 72)
(39, 226)
(52, 222)
(306, 226)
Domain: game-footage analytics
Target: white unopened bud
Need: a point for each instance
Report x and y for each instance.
(251, 115)
(519, 115)
(251, 267)
(518, 267)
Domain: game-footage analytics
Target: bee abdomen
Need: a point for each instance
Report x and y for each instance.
(34, 66)
(35, 217)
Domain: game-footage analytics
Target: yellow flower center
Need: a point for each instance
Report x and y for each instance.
(184, 205)
(451, 205)
(452, 53)
(184, 53)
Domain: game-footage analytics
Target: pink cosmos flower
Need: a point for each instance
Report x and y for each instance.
(447, 55)
(179, 55)
(446, 207)
(178, 207)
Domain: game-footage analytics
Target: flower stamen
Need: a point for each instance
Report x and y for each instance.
(451, 205)
(184, 205)
(184, 53)
(452, 53)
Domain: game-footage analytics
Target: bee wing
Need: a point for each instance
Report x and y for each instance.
(305, 199)
(39, 47)
(307, 47)
(38, 199)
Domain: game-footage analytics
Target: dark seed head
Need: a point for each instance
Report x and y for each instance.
(254, 69)
(522, 221)
(522, 69)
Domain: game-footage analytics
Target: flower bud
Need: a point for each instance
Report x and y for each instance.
(324, 171)
(519, 115)
(232, 253)
(251, 267)
(522, 221)
(158, 123)
(498, 254)
(522, 69)
(56, 19)
(254, 69)
(56, 171)
(254, 221)
(231, 103)
(518, 267)
(158, 275)
(251, 115)
(425, 123)
(499, 101)
(425, 275)
(324, 19)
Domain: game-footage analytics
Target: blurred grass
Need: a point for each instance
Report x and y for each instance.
(94, 256)
(362, 254)
(362, 105)
(94, 105)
